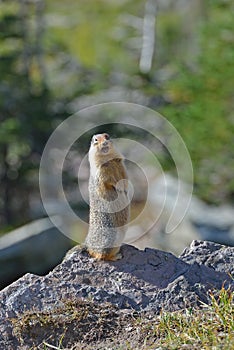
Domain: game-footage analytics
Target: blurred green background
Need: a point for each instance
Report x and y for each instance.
(58, 56)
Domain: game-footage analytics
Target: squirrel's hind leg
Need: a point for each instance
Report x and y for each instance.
(114, 254)
(111, 255)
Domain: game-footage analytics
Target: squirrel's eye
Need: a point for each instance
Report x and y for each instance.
(95, 140)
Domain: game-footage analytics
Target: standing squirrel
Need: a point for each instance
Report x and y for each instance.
(108, 196)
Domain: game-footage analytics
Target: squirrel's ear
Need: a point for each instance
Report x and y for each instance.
(107, 136)
(94, 139)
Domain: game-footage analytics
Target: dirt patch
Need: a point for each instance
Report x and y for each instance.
(76, 322)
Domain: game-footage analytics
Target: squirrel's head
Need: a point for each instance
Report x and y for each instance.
(101, 144)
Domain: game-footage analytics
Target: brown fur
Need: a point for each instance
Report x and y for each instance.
(105, 227)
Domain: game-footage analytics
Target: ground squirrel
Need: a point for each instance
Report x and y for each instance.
(108, 196)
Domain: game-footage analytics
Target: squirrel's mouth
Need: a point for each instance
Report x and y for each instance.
(105, 149)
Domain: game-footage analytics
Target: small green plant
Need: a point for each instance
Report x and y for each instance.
(211, 326)
(83, 324)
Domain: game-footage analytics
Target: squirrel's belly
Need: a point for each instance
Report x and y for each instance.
(107, 221)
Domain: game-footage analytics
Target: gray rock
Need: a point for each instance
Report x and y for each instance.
(218, 257)
(148, 280)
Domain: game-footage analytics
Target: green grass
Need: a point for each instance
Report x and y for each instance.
(208, 327)
(212, 327)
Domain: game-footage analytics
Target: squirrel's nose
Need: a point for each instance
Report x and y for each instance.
(105, 143)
